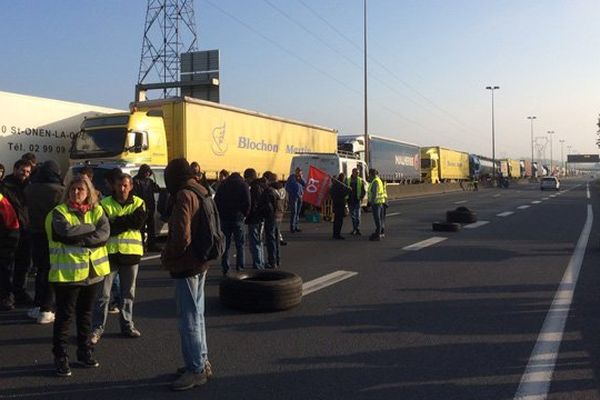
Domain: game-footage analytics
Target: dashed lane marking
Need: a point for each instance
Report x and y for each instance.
(496, 195)
(392, 214)
(476, 224)
(460, 202)
(587, 190)
(545, 198)
(326, 280)
(424, 243)
(523, 207)
(553, 195)
(536, 202)
(148, 258)
(505, 214)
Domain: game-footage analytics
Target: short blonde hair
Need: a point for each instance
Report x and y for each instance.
(92, 197)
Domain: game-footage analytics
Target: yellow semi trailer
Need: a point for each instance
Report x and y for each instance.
(439, 164)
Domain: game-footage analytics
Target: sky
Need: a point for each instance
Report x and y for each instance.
(429, 62)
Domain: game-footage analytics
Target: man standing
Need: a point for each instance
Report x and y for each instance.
(13, 276)
(255, 220)
(9, 240)
(355, 199)
(294, 186)
(339, 193)
(126, 214)
(188, 271)
(233, 203)
(377, 198)
(269, 210)
(144, 187)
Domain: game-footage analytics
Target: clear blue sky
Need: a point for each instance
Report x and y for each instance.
(302, 59)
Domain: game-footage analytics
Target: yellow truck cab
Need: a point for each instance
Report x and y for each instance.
(439, 164)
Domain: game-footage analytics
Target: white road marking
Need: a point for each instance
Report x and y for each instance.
(460, 202)
(538, 374)
(392, 214)
(553, 195)
(147, 258)
(536, 202)
(545, 198)
(523, 207)
(496, 195)
(587, 190)
(424, 243)
(476, 224)
(326, 280)
(505, 214)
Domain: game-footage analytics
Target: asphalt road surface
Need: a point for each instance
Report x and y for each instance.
(506, 309)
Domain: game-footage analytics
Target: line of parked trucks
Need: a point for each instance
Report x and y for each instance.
(218, 137)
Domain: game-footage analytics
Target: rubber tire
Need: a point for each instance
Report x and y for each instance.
(261, 290)
(462, 215)
(445, 226)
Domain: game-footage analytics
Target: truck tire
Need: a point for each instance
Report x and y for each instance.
(445, 226)
(261, 290)
(462, 215)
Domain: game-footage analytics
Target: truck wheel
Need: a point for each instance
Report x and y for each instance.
(261, 291)
(445, 226)
(462, 215)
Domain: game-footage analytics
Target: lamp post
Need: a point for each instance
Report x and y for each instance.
(366, 116)
(531, 118)
(492, 88)
(550, 133)
(562, 160)
(569, 147)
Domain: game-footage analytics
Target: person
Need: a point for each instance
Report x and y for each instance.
(126, 214)
(254, 219)
(9, 241)
(271, 210)
(223, 174)
(189, 273)
(77, 231)
(89, 172)
(294, 187)
(200, 175)
(2, 170)
(31, 158)
(378, 199)
(43, 194)
(233, 202)
(355, 199)
(339, 193)
(14, 276)
(144, 187)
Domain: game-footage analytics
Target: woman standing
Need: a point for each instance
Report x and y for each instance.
(77, 232)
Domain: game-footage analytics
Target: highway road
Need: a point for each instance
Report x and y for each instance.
(505, 309)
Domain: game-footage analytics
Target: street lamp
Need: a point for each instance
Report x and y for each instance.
(562, 162)
(531, 118)
(550, 133)
(492, 88)
(569, 147)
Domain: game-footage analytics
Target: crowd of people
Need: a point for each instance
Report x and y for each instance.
(88, 245)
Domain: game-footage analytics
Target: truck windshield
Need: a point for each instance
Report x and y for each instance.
(107, 142)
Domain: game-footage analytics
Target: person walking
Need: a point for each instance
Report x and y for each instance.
(294, 187)
(44, 193)
(355, 199)
(233, 202)
(189, 273)
(378, 199)
(255, 220)
(127, 214)
(13, 277)
(145, 188)
(339, 193)
(77, 231)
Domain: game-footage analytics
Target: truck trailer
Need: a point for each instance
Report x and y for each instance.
(439, 164)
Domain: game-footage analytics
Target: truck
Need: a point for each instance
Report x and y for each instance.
(480, 167)
(396, 161)
(526, 169)
(514, 168)
(217, 136)
(42, 126)
(439, 164)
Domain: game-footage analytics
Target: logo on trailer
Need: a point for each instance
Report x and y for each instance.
(219, 147)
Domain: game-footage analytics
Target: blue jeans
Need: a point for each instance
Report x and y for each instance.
(355, 215)
(233, 228)
(189, 295)
(294, 205)
(378, 218)
(127, 276)
(255, 242)
(272, 242)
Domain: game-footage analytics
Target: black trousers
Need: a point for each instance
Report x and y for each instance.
(13, 274)
(73, 300)
(148, 228)
(44, 293)
(338, 220)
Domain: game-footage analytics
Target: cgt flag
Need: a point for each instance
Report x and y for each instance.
(317, 187)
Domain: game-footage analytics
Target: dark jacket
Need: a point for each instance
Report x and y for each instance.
(339, 192)
(145, 188)
(257, 187)
(15, 191)
(134, 221)
(177, 256)
(9, 230)
(294, 187)
(233, 198)
(42, 195)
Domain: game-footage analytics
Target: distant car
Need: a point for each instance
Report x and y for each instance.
(550, 182)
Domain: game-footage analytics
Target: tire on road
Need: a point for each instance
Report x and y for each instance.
(462, 215)
(261, 290)
(445, 226)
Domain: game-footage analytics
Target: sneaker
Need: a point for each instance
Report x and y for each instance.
(7, 304)
(339, 238)
(113, 309)
(33, 313)
(87, 360)
(23, 299)
(357, 232)
(207, 368)
(131, 333)
(62, 366)
(375, 238)
(45, 317)
(95, 337)
(282, 243)
(188, 380)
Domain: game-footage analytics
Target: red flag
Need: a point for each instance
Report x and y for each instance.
(317, 186)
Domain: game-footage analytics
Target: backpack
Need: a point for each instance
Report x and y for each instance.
(208, 241)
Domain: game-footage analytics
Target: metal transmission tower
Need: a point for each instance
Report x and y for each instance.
(170, 30)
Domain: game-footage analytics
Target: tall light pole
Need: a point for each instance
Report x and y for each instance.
(367, 160)
(562, 160)
(531, 118)
(569, 147)
(492, 88)
(550, 133)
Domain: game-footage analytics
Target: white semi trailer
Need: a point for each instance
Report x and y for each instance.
(42, 126)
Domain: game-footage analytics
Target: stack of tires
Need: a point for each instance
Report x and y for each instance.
(454, 219)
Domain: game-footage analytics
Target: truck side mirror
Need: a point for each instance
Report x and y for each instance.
(140, 142)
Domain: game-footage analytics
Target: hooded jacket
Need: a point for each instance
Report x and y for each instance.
(233, 198)
(43, 194)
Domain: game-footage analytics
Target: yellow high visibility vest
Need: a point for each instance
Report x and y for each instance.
(72, 263)
(128, 242)
(381, 195)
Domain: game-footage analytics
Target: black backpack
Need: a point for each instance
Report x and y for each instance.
(208, 241)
